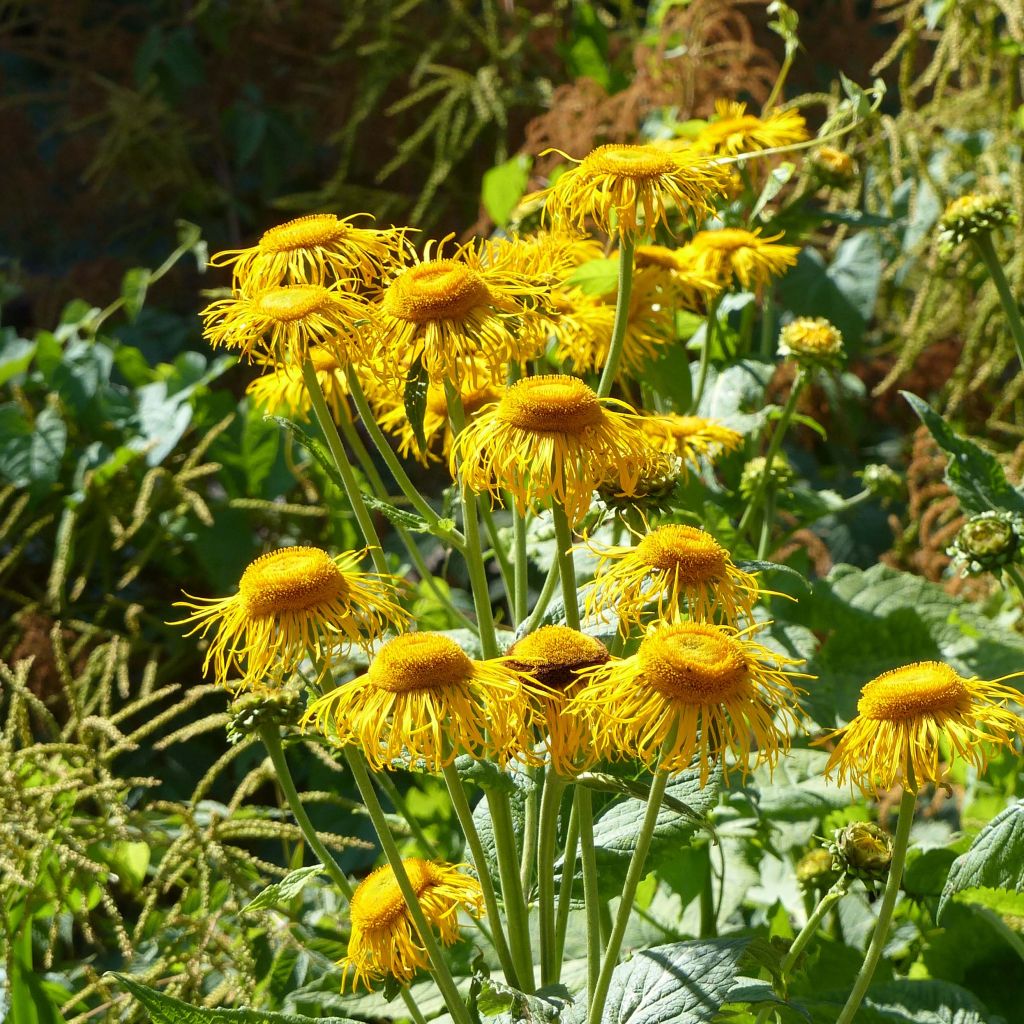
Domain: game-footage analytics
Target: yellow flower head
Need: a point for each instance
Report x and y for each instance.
(690, 437)
(732, 130)
(834, 165)
(454, 314)
(291, 603)
(683, 286)
(550, 438)
(732, 255)
(554, 656)
(286, 323)
(316, 249)
(384, 940)
(282, 391)
(904, 716)
(614, 184)
(692, 689)
(811, 340)
(425, 698)
(682, 568)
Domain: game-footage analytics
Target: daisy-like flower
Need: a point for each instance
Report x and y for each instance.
(690, 437)
(384, 940)
(615, 184)
(554, 656)
(732, 130)
(316, 249)
(291, 603)
(735, 255)
(682, 568)
(692, 690)
(550, 438)
(286, 323)
(454, 314)
(282, 390)
(683, 285)
(977, 213)
(905, 715)
(813, 341)
(423, 697)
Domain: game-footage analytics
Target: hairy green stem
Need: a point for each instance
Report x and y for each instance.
(591, 888)
(710, 326)
(627, 245)
(569, 856)
(892, 889)
(544, 598)
(554, 787)
(500, 556)
(521, 589)
(566, 566)
(987, 251)
(1018, 580)
(531, 823)
(390, 790)
(340, 457)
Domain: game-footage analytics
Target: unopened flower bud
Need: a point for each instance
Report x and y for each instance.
(816, 871)
(754, 471)
(252, 710)
(863, 849)
(972, 215)
(882, 481)
(988, 542)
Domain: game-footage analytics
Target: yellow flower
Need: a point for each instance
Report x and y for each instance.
(554, 655)
(454, 314)
(316, 249)
(684, 286)
(384, 939)
(904, 716)
(690, 437)
(424, 698)
(733, 130)
(834, 164)
(811, 340)
(681, 567)
(286, 323)
(614, 184)
(736, 255)
(550, 438)
(282, 391)
(291, 603)
(692, 690)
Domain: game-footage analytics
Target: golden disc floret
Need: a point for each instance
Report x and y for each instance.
(439, 290)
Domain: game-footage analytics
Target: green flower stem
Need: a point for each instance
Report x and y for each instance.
(572, 839)
(767, 343)
(355, 443)
(516, 910)
(544, 599)
(1018, 580)
(892, 889)
(554, 787)
(765, 539)
(390, 790)
(338, 454)
(711, 326)
(438, 965)
(504, 565)
(774, 445)
(591, 888)
(708, 910)
(627, 245)
(987, 251)
(566, 567)
(460, 802)
(634, 875)
(391, 460)
(520, 593)
(531, 824)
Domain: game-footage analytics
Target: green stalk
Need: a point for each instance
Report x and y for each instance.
(773, 449)
(572, 838)
(1018, 581)
(987, 251)
(591, 889)
(391, 460)
(439, 967)
(544, 599)
(708, 911)
(634, 875)
(460, 803)
(892, 888)
(627, 244)
(387, 785)
(504, 565)
(520, 592)
(554, 787)
(337, 449)
(566, 566)
(531, 822)
(705, 353)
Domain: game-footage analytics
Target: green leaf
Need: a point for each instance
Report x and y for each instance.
(679, 983)
(735, 395)
(760, 565)
(164, 1009)
(995, 859)
(15, 356)
(1004, 902)
(31, 453)
(398, 516)
(288, 888)
(796, 790)
(133, 290)
(908, 1002)
(773, 186)
(315, 447)
(596, 277)
(973, 474)
(415, 398)
(497, 999)
(503, 187)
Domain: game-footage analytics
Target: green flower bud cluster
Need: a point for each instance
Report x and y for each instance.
(883, 482)
(815, 871)
(754, 471)
(863, 850)
(250, 712)
(971, 215)
(988, 542)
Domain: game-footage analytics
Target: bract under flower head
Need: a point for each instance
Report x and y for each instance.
(692, 690)
(423, 699)
(293, 603)
(550, 438)
(384, 940)
(735, 255)
(905, 714)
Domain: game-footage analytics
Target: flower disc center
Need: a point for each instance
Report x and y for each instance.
(292, 301)
(439, 290)
(694, 555)
(640, 163)
(552, 404)
(554, 654)
(419, 661)
(926, 687)
(378, 903)
(290, 580)
(303, 233)
(694, 663)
